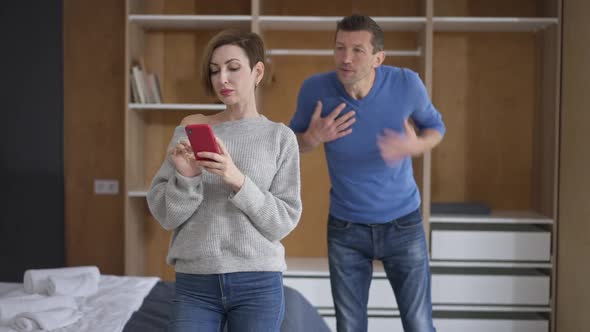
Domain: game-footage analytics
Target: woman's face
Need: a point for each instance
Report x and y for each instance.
(231, 76)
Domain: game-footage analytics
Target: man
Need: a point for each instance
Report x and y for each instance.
(374, 199)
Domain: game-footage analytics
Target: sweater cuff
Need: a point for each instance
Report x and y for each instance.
(249, 198)
(185, 183)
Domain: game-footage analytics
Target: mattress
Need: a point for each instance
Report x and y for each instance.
(107, 310)
(143, 304)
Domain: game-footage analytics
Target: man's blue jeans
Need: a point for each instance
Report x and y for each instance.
(401, 246)
(246, 301)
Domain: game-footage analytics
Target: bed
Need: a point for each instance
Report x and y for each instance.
(142, 304)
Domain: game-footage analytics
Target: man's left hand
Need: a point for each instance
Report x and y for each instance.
(396, 146)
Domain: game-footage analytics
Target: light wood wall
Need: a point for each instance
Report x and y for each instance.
(496, 8)
(484, 87)
(344, 7)
(94, 47)
(573, 270)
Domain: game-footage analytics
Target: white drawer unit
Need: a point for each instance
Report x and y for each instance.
(488, 286)
(505, 244)
(490, 325)
(520, 242)
(497, 237)
(310, 277)
(317, 291)
(394, 324)
(376, 324)
(485, 278)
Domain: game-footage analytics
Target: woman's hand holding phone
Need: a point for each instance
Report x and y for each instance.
(183, 158)
(209, 152)
(222, 165)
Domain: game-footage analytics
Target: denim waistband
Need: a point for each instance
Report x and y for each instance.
(413, 214)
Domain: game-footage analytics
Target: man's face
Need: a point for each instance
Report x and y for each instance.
(353, 56)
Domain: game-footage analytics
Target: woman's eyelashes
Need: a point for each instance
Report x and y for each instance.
(216, 71)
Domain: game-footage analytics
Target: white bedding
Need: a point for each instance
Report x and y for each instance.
(107, 310)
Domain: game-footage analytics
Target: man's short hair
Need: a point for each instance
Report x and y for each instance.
(363, 23)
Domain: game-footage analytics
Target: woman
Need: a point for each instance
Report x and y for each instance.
(229, 214)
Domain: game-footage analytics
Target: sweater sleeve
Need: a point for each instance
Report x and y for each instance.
(425, 115)
(305, 107)
(276, 212)
(172, 197)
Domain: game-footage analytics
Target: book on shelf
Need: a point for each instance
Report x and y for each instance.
(139, 83)
(145, 86)
(154, 89)
(134, 89)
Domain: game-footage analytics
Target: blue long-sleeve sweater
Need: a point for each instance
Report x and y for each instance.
(364, 188)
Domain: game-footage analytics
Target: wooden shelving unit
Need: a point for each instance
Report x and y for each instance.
(492, 71)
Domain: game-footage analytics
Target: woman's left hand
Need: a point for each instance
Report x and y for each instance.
(222, 165)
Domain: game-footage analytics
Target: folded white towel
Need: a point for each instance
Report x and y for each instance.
(45, 320)
(12, 306)
(37, 281)
(81, 285)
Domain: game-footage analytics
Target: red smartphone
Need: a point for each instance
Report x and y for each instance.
(201, 138)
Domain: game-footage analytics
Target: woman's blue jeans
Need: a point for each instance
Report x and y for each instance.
(401, 246)
(245, 301)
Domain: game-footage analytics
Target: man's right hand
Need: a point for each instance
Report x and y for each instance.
(322, 130)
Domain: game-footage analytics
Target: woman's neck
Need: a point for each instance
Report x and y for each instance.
(241, 110)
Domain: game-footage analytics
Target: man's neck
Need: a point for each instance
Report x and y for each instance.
(361, 88)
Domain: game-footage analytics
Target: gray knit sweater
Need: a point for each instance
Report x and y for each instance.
(217, 231)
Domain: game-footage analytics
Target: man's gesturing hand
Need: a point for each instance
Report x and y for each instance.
(322, 130)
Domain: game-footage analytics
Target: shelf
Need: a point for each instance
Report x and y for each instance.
(478, 264)
(496, 217)
(179, 107)
(137, 193)
(489, 308)
(318, 267)
(371, 312)
(328, 23)
(387, 23)
(450, 308)
(191, 22)
(481, 24)
(307, 267)
(330, 52)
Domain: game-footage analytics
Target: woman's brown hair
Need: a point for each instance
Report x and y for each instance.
(250, 42)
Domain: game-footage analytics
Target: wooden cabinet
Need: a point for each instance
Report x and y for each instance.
(492, 69)
(496, 82)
